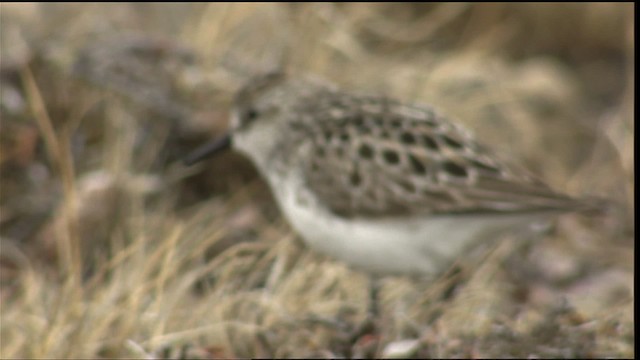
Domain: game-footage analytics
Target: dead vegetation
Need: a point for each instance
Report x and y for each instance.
(110, 248)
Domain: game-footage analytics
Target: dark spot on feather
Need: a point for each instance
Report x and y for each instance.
(452, 142)
(391, 156)
(417, 166)
(430, 142)
(355, 178)
(454, 169)
(365, 151)
(344, 136)
(408, 138)
(320, 152)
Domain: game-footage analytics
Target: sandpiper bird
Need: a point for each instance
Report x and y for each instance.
(385, 186)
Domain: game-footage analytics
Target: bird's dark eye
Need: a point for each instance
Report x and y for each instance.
(251, 114)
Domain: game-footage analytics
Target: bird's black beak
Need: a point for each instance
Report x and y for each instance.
(209, 149)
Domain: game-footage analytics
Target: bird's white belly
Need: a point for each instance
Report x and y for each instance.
(418, 245)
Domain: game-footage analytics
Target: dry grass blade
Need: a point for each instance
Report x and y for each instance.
(60, 155)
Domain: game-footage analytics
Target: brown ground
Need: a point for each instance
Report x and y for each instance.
(111, 248)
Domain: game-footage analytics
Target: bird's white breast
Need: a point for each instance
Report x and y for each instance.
(424, 245)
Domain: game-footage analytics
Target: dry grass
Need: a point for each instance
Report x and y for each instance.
(111, 249)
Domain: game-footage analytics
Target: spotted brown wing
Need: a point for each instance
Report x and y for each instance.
(375, 157)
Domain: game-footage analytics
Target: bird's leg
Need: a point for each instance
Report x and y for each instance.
(370, 324)
(374, 293)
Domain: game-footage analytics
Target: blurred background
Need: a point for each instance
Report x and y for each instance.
(110, 247)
